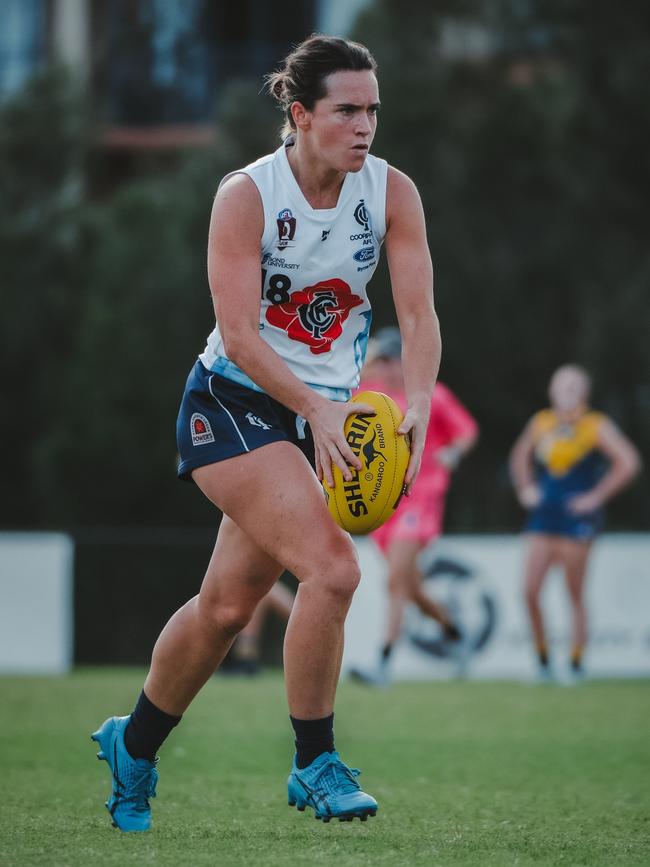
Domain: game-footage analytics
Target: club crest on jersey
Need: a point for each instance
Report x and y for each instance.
(362, 215)
(201, 430)
(286, 228)
(315, 315)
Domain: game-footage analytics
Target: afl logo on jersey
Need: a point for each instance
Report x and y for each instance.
(286, 228)
(362, 215)
(315, 315)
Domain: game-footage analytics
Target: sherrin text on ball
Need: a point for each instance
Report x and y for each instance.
(373, 493)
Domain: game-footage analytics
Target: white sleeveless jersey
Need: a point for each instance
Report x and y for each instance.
(315, 266)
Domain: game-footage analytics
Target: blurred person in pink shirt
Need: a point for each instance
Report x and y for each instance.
(452, 432)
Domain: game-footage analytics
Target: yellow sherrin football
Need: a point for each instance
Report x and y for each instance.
(371, 496)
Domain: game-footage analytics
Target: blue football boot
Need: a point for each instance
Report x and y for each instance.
(134, 780)
(331, 788)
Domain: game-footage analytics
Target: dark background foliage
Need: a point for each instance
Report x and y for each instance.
(532, 164)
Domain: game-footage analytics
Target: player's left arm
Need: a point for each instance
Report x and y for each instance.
(411, 275)
(624, 465)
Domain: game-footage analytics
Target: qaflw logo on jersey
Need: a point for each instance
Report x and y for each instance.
(286, 228)
(201, 430)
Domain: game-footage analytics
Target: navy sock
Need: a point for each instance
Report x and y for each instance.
(313, 737)
(147, 729)
(386, 651)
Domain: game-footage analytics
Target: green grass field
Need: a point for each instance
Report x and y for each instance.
(465, 774)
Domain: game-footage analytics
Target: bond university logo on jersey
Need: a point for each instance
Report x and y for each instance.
(271, 261)
(201, 430)
(315, 315)
(286, 229)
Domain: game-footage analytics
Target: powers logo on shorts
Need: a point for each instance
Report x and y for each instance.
(315, 315)
(201, 430)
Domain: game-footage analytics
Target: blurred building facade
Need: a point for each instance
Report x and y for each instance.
(155, 68)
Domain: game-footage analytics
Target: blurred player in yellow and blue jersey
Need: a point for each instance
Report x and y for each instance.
(566, 464)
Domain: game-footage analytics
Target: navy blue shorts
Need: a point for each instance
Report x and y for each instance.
(219, 419)
(556, 520)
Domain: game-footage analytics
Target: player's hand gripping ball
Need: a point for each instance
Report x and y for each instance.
(371, 496)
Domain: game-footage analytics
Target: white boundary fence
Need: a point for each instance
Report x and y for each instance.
(479, 579)
(36, 603)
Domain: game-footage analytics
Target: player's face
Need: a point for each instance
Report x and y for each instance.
(568, 389)
(342, 124)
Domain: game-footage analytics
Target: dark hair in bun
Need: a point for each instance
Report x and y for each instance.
(302, 75)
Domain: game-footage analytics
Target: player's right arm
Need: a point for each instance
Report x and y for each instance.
(234, 248)
(521, 467)
(411, 276)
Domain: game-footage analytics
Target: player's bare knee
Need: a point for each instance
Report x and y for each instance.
(343, 579)
(233, 618)
(340, 576)
(227, 617)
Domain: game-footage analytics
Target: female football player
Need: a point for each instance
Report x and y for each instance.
(294, 239)
(566, 464)
(451, 434)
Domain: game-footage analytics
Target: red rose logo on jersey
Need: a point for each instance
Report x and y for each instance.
(315, 315)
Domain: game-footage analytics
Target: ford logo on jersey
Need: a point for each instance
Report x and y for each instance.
(365, 254)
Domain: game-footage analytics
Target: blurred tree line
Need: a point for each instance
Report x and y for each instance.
(532, 163)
